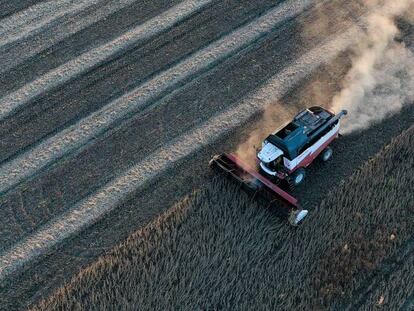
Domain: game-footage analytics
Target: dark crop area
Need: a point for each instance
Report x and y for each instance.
(218, 249)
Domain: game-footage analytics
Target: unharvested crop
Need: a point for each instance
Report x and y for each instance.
(218, 249)
(394, 290)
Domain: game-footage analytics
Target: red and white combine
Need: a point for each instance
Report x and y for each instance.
(283, 158)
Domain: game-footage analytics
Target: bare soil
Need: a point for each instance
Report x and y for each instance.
(55, 189)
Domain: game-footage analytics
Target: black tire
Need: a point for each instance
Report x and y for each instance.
(296, 178)
(326, 155)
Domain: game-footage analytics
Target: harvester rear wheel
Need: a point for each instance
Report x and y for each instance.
(326, 155)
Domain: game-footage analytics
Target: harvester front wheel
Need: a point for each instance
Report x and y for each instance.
(297, 177)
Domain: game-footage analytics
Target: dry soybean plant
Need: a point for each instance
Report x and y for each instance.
(219, 250)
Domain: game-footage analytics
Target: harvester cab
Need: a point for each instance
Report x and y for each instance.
(283, 158)
(287, 152)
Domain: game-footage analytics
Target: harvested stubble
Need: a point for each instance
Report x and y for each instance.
(217, 249)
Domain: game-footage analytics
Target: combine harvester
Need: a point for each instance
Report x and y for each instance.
(283, 158)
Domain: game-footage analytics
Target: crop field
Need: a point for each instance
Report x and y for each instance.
(111, 110)
(216, 249)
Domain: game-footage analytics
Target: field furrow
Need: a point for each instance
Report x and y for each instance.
(21, 25)
(120, 149)
(179, 180)
(94, 57)
(109, 113)
(67, 33)
(132, 102)
(107, 198)
(8, 8)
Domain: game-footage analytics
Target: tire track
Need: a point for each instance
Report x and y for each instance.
(93, 125)
(79, 97)
(106, 199)
(81, 173)
(86, 39)
(28, 288)
(15, 54)
(92, 58)
(20, 25)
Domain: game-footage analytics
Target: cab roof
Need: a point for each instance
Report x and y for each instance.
(296, 134)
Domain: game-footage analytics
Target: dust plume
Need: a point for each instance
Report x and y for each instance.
(378, 83)
(274, 116)
(380, 80)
